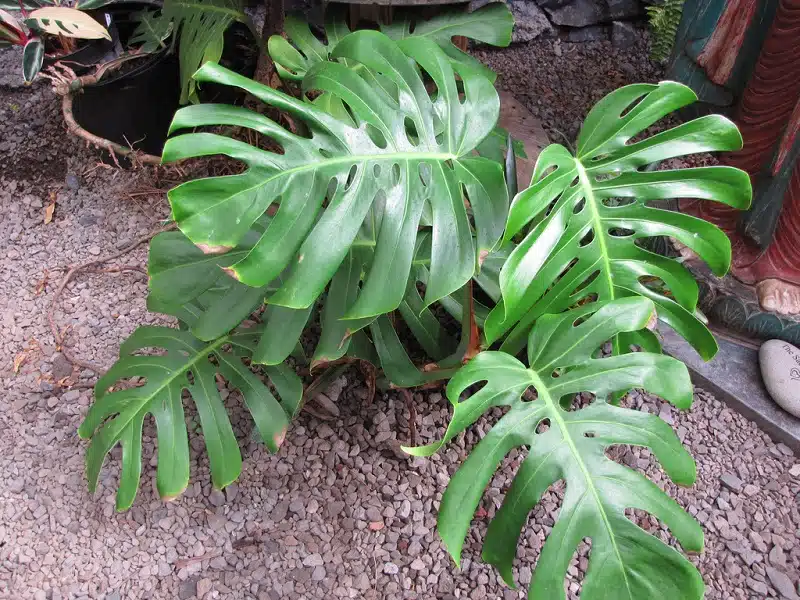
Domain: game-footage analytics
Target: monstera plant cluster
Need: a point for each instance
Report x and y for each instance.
(379, 206)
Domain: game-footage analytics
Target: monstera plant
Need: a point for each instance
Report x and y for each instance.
(375, 211)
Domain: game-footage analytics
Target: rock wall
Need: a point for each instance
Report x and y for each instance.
(577, 20)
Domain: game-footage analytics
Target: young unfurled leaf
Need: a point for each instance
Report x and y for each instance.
(625, 561)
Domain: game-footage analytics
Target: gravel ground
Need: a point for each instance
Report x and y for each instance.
(339, 512)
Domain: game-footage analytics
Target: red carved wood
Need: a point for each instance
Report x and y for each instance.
(769, 119)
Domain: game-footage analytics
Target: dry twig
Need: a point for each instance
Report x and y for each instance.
(58, 335)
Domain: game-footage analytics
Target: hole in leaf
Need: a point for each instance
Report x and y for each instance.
(530, 394)
(587, 239)
(395, 174)
(430, 85)
(348, 109)
(543, 426)
(632, 106)
(620, 233)
(411, 131)
(351, 176)
(190, 377)
(579, 206)
(577, 322)
(575, 402)
(472, 390)
(377, 137)
(585, 283)
(376, 170)
(656, 284)
(574, 182)
(548, 171)
(617, 202)
(600, 177)
(326, 153)
(588, 434)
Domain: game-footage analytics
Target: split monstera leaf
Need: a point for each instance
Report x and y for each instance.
(582, 220)
(371, 208)
(625, 561)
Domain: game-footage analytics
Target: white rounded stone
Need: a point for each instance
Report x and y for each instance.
(780, 368)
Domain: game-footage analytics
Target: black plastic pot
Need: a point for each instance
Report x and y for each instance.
(134, 106)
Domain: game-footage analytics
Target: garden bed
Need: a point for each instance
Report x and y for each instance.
(339, 512)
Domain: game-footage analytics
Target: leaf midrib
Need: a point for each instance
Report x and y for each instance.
(591, 204)
(555, 414)
(395, 156)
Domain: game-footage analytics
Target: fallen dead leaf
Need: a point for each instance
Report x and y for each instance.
(50, 209)
(42, 283)
(19, 360)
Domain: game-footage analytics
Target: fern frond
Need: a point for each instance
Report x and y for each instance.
(664, 22)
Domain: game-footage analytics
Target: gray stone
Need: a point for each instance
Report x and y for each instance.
(362, 582)
(530, 22)
(216, 497)
(732, 482)
(61, 366)
(592, 33)
(781, 582)
(624, 9)
(780, 368)
(203, 587)
(579, 13)
(391, 569)
(187, 589)
(758, 587)
(72, 181)
(623, 35)
(313, 560)
(777, 557)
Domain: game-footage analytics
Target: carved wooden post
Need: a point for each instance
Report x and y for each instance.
(752, 55)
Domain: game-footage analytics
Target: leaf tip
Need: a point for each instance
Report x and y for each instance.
(279, 437)
(231, 272)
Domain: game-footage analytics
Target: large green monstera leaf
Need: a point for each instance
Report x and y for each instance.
(405, 161)
(584, 216)
(624, 561)
(185, 363)
(491, 24)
